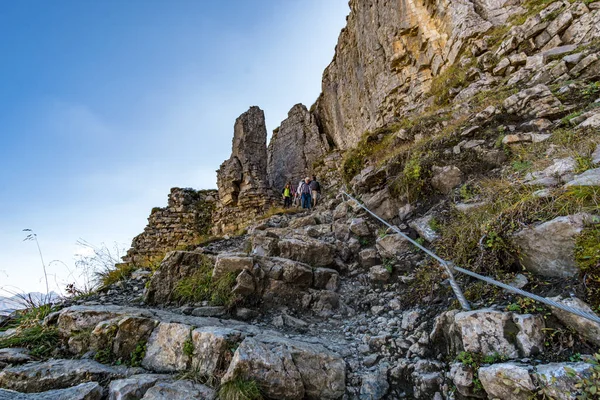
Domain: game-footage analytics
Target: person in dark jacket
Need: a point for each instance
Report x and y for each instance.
(315, 190)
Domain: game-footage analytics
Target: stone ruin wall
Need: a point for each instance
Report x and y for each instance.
(186, 220)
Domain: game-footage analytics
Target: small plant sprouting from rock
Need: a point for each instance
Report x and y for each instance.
(587, 258)
(138, 354)
(475, 361)
(240, 389)
(188, 347)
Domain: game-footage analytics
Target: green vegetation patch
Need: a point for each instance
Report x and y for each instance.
(120, 272)
(202, 287)
(40, 340)
(587, 257)
(138, 354)
(475, 361)
(240, 389)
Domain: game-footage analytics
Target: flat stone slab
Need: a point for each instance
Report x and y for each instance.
(14, 356)
(84, 391)
(40, 376)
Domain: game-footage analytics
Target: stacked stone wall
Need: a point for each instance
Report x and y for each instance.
(187, 219)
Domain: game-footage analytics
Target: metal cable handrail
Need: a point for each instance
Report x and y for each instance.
(449, 267)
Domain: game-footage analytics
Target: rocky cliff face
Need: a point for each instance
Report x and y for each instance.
(294, 147)
(387, 55)
(242, 180)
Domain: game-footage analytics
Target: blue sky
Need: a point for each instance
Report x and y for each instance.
(105, 105)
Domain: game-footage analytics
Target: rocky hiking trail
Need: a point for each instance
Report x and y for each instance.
(474, 128)
(316, 333)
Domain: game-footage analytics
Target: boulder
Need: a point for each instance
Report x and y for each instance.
(462, 377)
(14, 356)
(307, 250)
(271, 366)
(326, 278)
(558, 380)
(165, 349)
(179, 390)
(591, 177)
(446, 178)
(369, 257)
(393, 246)
(501, 381)
(134, 387)
(547, 249)
(211, 346)
(379, 273)
(530, 339)
(537, 101)
(586, 328)
(40, 376)
(359, 227)
(230, 263)
(289, 369)
(131, 332)
(484, 331)
(423, 227)
(84, 391)
(245, 284)
(374, 385)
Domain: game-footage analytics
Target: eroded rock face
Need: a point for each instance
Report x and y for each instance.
(385, 59)
(134, 387)
(501, 380)
(242, 180)
(166, 350)
(294, 148)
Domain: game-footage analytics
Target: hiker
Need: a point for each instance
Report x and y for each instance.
(287, 195)
(315, 190)
(304, 191)
(298, 199)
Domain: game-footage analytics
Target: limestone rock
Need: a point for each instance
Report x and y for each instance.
(379, 273)
(14, 356)
(294, 147)
(530, 339)
(369, 257)
(165, 349)
(229, 263)
(84, 391)
(548, 248)
(446, 178)
(586, 328)
(374, 386)
(483, 331)
(40, 376)
(462, 377)
(359, 227)
(307, 250)
(210, 348)
(272, 367)
(557, 381)
(393, 245)
(537, 101)
(423, 226)
(501, 381)
(289, 369)
(591, 177)
(179, 390)
(387, 44)
(134, 387)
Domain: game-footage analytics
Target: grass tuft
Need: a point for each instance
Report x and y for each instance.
(240, 389)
